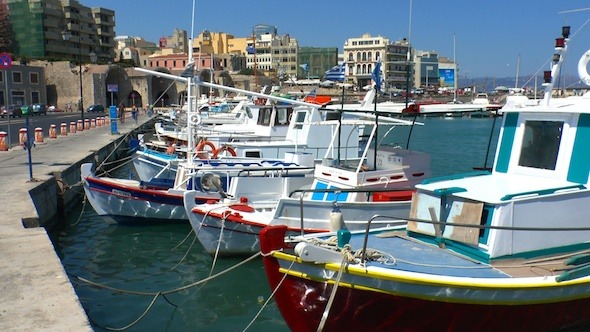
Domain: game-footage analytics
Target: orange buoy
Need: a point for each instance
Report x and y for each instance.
(201, 149)
(223, 149)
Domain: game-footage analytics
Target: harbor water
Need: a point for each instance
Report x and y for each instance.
(158, 278)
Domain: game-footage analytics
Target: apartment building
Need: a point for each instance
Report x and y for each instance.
(57, 29)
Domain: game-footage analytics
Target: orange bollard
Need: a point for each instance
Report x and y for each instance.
(86, 124)
(52, 131)
(72, 127)
(38, 135)
(3, 146)
(92, 123)
(64, 129)
(80, 126)
(22, 136)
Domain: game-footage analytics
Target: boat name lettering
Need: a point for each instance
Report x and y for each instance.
(121, 193)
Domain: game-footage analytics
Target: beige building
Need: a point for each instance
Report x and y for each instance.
(361, 54)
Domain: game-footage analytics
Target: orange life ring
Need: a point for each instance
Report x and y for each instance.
(229, 149)
(201, 149)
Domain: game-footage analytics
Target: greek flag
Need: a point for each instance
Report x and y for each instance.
(376, 76)
(305, 67)
(336, 74)
(250, 50)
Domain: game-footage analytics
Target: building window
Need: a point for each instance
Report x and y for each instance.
(369, 56)
(358, 57)
(18, 97)
(2, 102)
(17, 77)
(364, 56)
(35, 97)
(34, 78)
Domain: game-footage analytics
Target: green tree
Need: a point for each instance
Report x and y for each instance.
(6, 32)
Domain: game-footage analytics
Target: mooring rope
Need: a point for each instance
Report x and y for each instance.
(163, 293)
(272, 294)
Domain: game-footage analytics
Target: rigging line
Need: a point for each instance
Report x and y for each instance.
(183, 240)
(186, 253)
(138, 319)
(333, 293)
(81, 212)
(270, 297)
(171, 291)
(218, 245)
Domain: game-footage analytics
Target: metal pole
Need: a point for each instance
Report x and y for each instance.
(80, 69)
(7, 103)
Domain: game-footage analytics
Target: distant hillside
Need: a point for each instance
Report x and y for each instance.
(487, 84)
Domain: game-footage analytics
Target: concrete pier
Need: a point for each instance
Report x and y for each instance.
(35, 292)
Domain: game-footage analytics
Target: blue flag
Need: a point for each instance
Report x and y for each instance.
(250, 50)
(376, 76)
(336, 74)
(305, 67)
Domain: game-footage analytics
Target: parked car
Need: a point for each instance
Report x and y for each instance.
(39, 109)
(11, 111)
(95, 108)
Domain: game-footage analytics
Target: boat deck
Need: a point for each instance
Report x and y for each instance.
(412, 255)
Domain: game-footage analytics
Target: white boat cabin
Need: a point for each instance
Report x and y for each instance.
(539, 180)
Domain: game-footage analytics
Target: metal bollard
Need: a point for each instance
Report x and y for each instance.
(3, 146)
(38, 135)
(22, 136)
(52, 131)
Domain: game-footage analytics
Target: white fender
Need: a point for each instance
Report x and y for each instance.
(582, 68)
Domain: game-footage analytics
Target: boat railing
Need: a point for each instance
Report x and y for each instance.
(303, 193)
(277, 171)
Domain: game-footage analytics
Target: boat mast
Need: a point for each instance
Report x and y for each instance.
(561, 44)
(455, 71)
(189, 112)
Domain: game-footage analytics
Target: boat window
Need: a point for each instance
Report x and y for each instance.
(249, 112)
(540, 144)
(282, 116)
(299, 119)
(264, 116)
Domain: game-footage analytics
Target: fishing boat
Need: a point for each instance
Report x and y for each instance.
(161, 200)
(506, 250)
(346, 191)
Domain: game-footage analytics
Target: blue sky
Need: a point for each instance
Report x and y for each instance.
(490, 36)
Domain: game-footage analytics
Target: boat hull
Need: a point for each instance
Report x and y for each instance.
(131, 204)
(402, 301)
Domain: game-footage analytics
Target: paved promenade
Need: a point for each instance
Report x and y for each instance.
(35, 292)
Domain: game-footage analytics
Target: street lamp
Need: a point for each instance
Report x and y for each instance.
(66, 36)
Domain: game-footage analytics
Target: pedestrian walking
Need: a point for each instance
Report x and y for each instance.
(122, 112)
